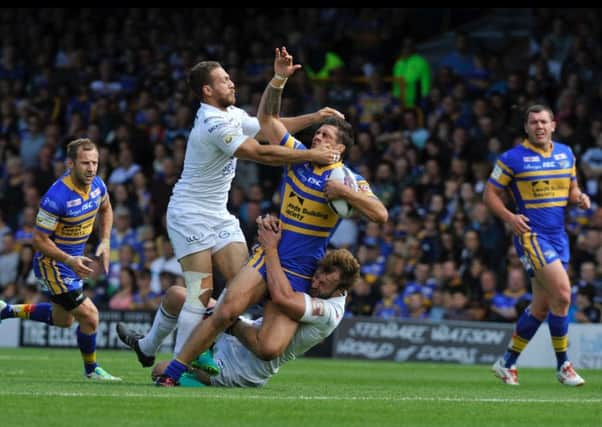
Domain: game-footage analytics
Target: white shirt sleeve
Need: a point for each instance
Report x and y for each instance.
(224, 134)
(250, 125)
(322, 311)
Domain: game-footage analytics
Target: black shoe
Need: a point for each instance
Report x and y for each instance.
(130, 338)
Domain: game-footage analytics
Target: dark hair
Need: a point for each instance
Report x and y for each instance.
(344, 131)
(346, 263)
(83, 143)
(200, 75)
(538, 108)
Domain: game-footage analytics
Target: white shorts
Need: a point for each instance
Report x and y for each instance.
(237, 365)
(192, 232)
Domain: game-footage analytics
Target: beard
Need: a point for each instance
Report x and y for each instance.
(226, 101)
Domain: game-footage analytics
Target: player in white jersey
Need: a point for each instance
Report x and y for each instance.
(319, 314)
(199, 225)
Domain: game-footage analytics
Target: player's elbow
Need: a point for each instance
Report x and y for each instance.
(280, 298)
(38, 240)
(380, 215)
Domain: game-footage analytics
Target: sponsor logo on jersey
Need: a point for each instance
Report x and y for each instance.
(217, 126)
(300, 199)
(532, 167)
(497, 172)
(228, 139)
(224, 234)
(560, 156)
(363, 186)
(46, 221)
(317, 307)
(95, 193)
(549, 254)
(549, 164)
(315, 181)
(230, 168)
(531, 159)
(74, 202)
(564, 164)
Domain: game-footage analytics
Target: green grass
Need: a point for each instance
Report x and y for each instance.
(45, 388)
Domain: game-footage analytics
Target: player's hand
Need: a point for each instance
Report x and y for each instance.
(78, 265)
(519, 224)
(326, 112)
(335, 189)
(324, 156)
(268, 232)
(584, 201)
(103, 252)
(283, 63)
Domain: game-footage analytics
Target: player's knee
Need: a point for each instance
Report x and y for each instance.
(64, 322)
(563, 299)
(174, 299)
(225, 315)
(269, 351)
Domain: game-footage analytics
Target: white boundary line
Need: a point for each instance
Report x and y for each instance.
(169, 395)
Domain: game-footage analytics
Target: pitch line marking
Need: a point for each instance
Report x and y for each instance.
(170, 395)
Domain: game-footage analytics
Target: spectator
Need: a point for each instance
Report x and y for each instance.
(414, 72)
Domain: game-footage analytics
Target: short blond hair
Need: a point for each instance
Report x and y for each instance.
(83, 143)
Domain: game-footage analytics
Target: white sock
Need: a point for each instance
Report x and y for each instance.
(193, 310)
(190, 316)
(163, 324)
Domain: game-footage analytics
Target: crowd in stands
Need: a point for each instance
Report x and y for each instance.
(427, 136)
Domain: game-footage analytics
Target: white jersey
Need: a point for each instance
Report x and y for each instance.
(209, 164)
(241, 368)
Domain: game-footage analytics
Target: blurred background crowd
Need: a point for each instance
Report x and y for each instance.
(435, 95)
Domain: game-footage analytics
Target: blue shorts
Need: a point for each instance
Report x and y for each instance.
(299, 283)
(537, 250)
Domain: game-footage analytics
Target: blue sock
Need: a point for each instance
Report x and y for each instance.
(41, 312)
(175, 369)
(559, 329)
(526, 326)
(87, 347)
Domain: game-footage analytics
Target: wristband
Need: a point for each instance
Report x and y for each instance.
(280, 77)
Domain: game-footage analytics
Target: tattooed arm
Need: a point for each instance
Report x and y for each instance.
(268, 112)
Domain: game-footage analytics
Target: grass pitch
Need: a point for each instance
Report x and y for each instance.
(45, 387)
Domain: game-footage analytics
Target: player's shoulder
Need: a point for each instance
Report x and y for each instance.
(56, 196)
(98, 186)
(560, 148)
(513, 155)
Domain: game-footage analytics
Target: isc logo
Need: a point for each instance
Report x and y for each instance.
(315, 181)
(88, 205)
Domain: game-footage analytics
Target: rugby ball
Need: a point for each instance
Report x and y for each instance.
(340, 206)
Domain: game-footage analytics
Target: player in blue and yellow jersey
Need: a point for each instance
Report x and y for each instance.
(540, 176)
(307, 224)
(64, 223)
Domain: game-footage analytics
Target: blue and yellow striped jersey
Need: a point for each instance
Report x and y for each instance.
(307, 221)
(538, 181)
(67, 214)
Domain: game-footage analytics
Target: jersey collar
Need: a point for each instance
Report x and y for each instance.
(543, 153)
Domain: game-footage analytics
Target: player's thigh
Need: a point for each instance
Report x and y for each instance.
(244, 290)
(276, 332)
(231, 258)
(60, 316)
(555, 280)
